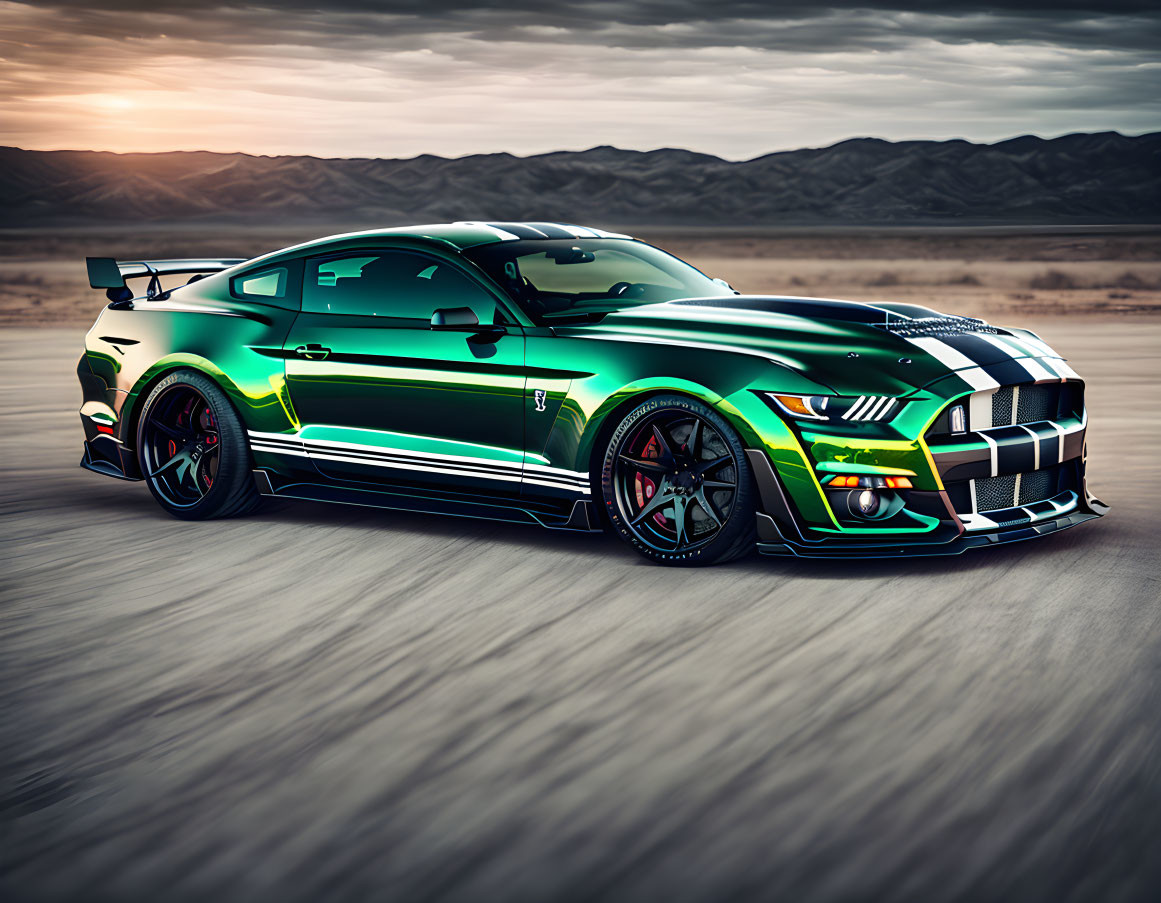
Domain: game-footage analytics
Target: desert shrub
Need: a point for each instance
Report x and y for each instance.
(965, 279)
(1052, 281)
(1132, 281)
(884, 279)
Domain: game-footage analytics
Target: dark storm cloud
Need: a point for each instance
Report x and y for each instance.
(449, 76)
(796, 26)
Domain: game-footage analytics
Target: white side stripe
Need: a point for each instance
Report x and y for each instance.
(397, 465)
(429, 462)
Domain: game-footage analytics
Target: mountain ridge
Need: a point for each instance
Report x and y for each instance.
(1082, 177)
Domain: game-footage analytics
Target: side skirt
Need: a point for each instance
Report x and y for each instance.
(579, 517)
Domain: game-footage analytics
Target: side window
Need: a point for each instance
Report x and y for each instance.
(261, 284)
(398, 284)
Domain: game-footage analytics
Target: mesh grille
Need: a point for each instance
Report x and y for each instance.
(993, 493)
(1002, 406)
(1033, 403)
(1036, 487)
(1036, 403)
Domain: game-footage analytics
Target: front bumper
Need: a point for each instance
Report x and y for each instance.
(781, 531)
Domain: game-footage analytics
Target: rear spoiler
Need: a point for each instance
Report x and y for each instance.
(110, 274)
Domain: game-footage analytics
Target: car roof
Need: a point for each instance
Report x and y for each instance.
(468, 234)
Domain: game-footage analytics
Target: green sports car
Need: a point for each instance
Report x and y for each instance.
(578, 379)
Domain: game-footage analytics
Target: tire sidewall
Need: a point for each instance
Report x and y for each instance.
(741, 517)
(233, 451)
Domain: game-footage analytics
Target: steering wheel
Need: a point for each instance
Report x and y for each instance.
(626, 289)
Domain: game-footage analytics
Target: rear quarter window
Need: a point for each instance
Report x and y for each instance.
(261, 284)
(278, 286)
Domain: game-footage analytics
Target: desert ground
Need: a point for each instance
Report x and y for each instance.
(323, 702)
(993, 272)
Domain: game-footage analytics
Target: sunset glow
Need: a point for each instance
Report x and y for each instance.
(458, 79)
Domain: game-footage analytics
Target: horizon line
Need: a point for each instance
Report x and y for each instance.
(595, 147)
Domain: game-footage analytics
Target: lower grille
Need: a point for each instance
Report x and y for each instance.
(1036, 487)
(993, 493)
(996, 493)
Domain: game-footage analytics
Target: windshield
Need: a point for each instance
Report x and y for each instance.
(581, 278)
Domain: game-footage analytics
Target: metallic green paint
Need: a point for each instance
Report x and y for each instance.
(495, 411)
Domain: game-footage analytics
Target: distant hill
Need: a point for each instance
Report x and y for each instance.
(1084, 178)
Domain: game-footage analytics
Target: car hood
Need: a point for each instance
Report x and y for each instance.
(848, 347)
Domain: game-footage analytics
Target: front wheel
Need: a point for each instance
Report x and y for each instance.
(676, 484)
(193, 450)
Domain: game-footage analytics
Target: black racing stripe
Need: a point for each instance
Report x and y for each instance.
(1016, 451)
(518, 229)
(979, 350)
(552, 230)
(1049, 447)
(1000, 365)
(1007, 373)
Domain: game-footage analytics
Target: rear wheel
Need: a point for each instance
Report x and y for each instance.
(676, 484)
(193, 450)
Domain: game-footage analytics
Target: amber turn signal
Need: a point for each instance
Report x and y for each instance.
(796, 404)
(853, 482)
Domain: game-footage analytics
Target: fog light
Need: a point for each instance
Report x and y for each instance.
(958, 420)
(865, 503)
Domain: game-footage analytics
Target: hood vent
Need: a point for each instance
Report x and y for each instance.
(937, 326)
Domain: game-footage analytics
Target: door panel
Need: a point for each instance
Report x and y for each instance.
(404, 403)
(384, 398)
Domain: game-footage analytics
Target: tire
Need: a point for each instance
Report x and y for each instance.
(193, 451)
(676, 485)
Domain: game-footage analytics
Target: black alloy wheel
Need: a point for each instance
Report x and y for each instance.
(193, 451)
(181, 447)
(677, 485)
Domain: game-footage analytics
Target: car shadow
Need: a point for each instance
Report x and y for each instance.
(1080, 541)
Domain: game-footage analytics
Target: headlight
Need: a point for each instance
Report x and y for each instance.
(834, 408)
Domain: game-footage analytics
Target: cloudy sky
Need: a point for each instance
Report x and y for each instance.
(732, 77)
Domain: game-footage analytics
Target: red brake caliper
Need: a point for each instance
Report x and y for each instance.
(643, 486)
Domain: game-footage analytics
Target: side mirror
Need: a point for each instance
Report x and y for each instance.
(461, 319)
(724, 284)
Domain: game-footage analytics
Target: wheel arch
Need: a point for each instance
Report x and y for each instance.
(605, 419)
(135, 400)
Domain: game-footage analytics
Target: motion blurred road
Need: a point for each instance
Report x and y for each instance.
(323, 702)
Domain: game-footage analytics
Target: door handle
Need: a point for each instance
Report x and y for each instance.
(312, 352)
